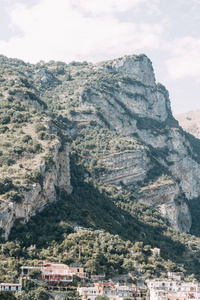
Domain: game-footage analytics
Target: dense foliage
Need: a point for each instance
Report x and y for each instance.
(39, 107)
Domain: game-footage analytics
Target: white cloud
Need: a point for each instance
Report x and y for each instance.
(98, 7)
(185, 59)
(64, 31)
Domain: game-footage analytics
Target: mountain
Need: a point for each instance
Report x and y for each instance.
(190, 122)
(95, 145)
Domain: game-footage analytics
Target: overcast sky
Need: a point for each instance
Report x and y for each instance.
(168, 31)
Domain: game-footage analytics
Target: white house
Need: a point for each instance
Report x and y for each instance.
(173, 290)
(10, 287)
(112, 291)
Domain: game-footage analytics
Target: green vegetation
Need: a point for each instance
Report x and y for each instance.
(44, 104)
(130, 230)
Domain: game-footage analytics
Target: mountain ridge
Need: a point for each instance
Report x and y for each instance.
(96, 146)
(121, 96)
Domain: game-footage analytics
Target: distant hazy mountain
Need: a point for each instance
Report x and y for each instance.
(190, 122)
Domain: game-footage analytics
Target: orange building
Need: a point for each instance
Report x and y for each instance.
(56, 273)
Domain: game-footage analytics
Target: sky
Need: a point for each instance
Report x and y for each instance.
(167, 31)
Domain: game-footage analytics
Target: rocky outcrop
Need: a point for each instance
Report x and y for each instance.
(127, 167)
(139, 106)
(120, 96)
(55, 174)
(136, 66)
(164, 195)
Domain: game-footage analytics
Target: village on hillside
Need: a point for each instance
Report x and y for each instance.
(60, 278)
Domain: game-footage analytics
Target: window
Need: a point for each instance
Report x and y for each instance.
(9, 288)
(16, 288)
(171, 283)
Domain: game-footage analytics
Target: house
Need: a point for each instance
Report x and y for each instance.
(10, 287)
(25, 270)
(173, 290)
(107, 289)
(56, 273)
(112, 291)
(137, 292)
(91, 292)
(79, 271)
(175, 275)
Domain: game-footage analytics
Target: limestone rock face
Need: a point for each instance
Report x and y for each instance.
(36, 196)
(127, 167)
(165, 196)
(178, 215)
(140, 106)
(138, 66)
(120, 96)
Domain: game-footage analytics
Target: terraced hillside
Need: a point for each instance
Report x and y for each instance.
(96, 146)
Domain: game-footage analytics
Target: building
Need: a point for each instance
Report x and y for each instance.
(107, 289)
(112, 291)
(175, 275)
(57, 273)
(90, 292)
(173, 290)
(10, 287)
(25, 270)
(79, 271)
(134, 291)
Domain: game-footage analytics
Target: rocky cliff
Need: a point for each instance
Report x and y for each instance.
(35, 196)
(136, 106)
(122, 130)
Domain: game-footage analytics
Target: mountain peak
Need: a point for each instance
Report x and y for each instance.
(137, 66)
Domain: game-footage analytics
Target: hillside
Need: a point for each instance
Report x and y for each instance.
(96, 146)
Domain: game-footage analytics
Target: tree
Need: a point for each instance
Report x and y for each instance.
(22, 295)
(32, 251)
(7, 296)
(128, 265)
(101, 297)
(40, 294)
(76, 280)
(34, 273)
